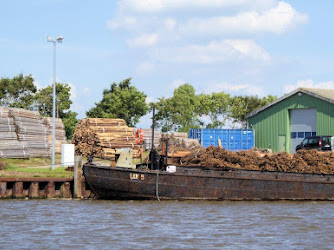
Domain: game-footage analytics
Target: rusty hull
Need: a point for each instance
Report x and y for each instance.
(198, 184)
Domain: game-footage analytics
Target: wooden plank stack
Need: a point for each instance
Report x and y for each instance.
(148, 138)
(178, 141)
(10, 147)
(30, 129)
(103, 137)
(59, 130)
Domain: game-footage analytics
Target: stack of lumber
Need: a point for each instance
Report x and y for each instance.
(13, 149)
(31, 130)
(59, 131)
(102, 137)
(148, 138)
(4, 112)
(7, 128)
(178, 141)
(10, 147)
(175, 134)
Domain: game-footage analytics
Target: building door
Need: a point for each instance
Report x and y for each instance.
(302, 124)
(281, 143)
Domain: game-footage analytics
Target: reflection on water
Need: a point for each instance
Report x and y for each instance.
(169, 224)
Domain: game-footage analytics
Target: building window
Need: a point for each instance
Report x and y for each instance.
(293, 135)
(301, 134)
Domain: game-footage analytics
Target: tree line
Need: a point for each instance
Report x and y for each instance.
(21, 92)
(181, 112)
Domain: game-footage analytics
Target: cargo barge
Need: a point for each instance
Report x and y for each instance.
(196, 183)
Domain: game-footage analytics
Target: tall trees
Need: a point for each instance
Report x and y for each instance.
(215, 107)
(17, 92)
(240, 106)
(121, 101)
(21, 92)
(43, 102)
(180, 112)
(185, 109)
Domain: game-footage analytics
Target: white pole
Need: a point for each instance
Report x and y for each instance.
(54, 107)
(54, 41)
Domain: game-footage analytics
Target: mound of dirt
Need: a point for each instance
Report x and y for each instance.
(304, 161)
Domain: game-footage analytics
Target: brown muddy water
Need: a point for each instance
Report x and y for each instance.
(93, 224)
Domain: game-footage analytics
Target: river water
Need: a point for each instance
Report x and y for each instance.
(94, 224)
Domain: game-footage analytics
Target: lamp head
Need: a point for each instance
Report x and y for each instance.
(49, 38)
(60, 39)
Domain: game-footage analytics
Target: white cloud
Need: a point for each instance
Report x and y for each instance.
(170, 24)
(170, 5)
(236, 89)
(276, 20)
(150, 99)
(144, 68)
(73, 91)
(86, 91)
(254, 17)
(125, 21)
(226, 50)
(308, 84)
(145, 40)
(37, 83)
(177, 83)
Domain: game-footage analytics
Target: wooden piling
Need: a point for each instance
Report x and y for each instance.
(77, 177)
(18, 190)
(3, 189)
(33, 190)
(65, 190)
(49, 190)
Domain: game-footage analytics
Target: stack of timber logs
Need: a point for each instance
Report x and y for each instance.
(59, 130)
(31, 130)
(13, 149)
(180, 141)
(148, 138)
(10, 147)
(102, 137)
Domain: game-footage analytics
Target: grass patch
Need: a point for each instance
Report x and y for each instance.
(15, 171)
(34, 167)
(32, 162)
(41, 167)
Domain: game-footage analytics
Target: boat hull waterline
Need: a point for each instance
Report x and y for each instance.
(199, 184)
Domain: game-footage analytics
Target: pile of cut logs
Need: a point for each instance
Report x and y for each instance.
(59, 131)
(30, 129)
(180, 141)
(102, 137)
(148, 138)
(24, 134)
(10, 147)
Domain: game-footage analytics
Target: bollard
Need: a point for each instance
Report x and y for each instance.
(77, 177)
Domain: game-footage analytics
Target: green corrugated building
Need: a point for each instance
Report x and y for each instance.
(284, 123)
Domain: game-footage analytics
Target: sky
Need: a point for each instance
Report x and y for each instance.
(242, 47)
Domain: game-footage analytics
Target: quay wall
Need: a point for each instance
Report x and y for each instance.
(43, 188)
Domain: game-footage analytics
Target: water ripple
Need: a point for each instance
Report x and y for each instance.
(95, 224)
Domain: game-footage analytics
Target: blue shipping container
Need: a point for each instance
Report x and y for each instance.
(231, 139)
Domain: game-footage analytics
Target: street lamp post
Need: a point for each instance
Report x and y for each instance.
(54, 41)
